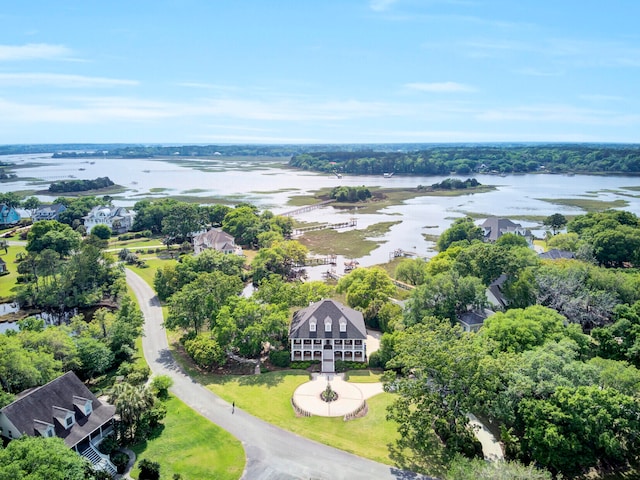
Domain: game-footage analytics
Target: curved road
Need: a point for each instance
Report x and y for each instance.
(272, 453)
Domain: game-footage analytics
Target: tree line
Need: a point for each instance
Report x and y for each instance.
(80, 185)
(465, 159)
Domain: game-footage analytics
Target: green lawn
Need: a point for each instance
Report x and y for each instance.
(193, 447)
(268, 396)
(8, 282)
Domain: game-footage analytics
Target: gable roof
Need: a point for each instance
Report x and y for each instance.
(335, 312)
(495, 227)
(50, 210)
(473, 318)
(50, 403)
(214, 238)
(495, 288)
(556, 254)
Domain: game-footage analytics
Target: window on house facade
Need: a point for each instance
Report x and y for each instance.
(327, 326)
(69, 420)
(312, 326)
(343, 326)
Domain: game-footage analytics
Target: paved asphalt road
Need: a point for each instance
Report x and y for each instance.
(272, 453)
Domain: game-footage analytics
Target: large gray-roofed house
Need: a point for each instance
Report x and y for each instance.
(64, 408)
(216, 239)
(494, 227)
(328, 330)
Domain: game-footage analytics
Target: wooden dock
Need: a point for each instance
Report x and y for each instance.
(308, 208)
(353, 222)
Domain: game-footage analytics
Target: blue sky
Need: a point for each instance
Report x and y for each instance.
(300, 71)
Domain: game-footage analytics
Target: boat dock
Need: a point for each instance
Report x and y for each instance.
(308, 208)
(353, 222)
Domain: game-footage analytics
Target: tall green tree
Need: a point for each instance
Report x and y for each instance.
(197, 304)
(53, 235)
(43, 458)
(461, 229)
(440, 371)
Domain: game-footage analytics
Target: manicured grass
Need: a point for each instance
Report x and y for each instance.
(268, 396)
(152, 264)
(364, 376)
(192, 446)
(8, 282)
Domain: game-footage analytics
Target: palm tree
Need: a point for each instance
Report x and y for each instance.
(131, 402)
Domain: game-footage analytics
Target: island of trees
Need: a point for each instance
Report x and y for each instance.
(66, 186)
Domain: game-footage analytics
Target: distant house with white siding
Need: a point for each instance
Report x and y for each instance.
(118, 219)
(494, 227)
(215, 239)
(49, 212)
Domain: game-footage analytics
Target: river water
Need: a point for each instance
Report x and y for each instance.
(270, 184)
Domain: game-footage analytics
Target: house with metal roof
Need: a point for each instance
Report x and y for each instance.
(328, 331)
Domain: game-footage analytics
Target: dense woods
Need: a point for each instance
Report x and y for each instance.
(463, 159)
(80, 185)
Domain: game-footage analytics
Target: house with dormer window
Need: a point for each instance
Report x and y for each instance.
(328, 331)
(63, 408)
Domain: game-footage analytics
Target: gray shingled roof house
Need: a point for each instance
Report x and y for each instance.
(494, 227)
(556, 254)
(48, 212)
(216, 239)
(64, 408)
(328, 330)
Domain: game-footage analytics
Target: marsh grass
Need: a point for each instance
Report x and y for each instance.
(586, 204)
(351, 243)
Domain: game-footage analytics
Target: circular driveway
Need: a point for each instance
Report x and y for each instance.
(350, 395)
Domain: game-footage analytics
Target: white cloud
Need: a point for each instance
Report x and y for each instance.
(61, 80)
(440, 87)
(34, 51)
(381, 5)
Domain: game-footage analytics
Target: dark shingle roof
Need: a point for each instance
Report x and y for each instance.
(28, 412)
(475, 317)
(556, 254)
(332, 310)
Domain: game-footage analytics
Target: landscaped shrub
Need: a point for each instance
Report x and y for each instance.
(375, 361)
(120, 460)
(108, 445)
(149, 470)
(281, 358)
(342, 366)
(304, 365)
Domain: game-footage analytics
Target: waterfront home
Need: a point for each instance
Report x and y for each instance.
(215, 239)
(48, 212)
(8, 215)
(328, 331)
(494, 227)
(63, 408)
(118, 219)
(556, 254)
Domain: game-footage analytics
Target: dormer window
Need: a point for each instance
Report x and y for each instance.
(84, 405)
(312, 326)
(66, 417)
(343, 325)
(327, 325)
